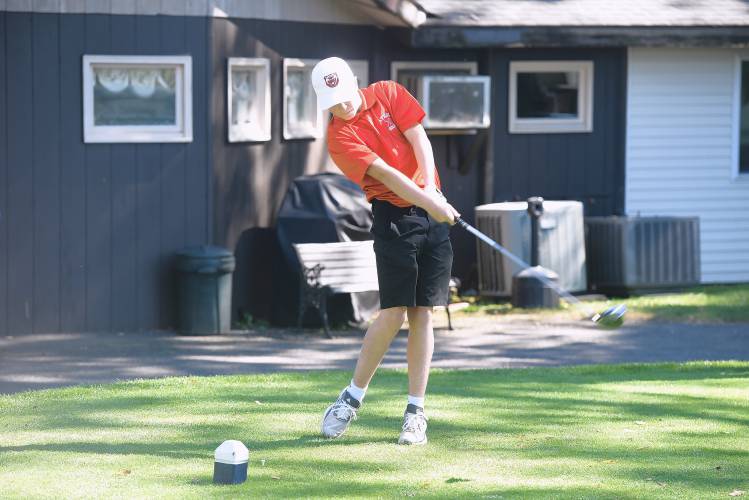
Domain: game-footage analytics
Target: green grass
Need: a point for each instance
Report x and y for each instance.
(704, 304)
(631, 431)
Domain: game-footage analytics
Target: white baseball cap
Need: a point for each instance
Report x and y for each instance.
(334, 82)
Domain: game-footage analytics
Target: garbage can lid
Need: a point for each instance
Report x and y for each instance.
(205, 252)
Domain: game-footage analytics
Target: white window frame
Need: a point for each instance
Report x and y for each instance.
(314, 132)
(584, 121)
(736, 173)
(261, 131)
(360, 68)
(180, 132)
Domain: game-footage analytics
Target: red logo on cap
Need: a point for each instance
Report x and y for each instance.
(331, 80)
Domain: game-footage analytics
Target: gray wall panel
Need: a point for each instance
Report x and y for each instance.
(198, 207)
(172, 196)
(94, 226)
(46, 141)
(73, 267)
(583, 166)
(3, 184)
(98, 204)
(124, 203)
(20, 174)
(148, 204)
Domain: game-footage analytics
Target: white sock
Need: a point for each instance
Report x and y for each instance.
(413, 400)
(356, 392)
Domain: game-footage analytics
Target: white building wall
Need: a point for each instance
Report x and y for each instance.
(682, 150)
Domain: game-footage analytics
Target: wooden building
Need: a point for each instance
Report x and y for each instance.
(92, 210)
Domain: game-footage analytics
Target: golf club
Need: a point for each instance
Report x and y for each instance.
(612, 317)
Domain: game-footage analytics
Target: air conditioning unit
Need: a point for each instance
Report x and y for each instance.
(561, 244)
(455, 102)
(640, 253)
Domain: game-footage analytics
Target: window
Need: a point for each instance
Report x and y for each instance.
(137, 98)
(248, 102)
(551, 96)
(302, 119)
(743, 125)
(455, 102)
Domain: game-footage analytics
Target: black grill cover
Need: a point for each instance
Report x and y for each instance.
(325, 208)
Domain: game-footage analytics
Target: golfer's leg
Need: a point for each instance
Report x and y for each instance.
(420, 349)
(376, 342)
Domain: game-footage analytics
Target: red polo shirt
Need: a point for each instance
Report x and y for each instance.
(387, 111)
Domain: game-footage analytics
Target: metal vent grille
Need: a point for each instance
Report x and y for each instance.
(628, 253)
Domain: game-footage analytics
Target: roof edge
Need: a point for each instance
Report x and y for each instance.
(582, 36)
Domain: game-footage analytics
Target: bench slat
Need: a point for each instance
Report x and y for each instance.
(348, 267)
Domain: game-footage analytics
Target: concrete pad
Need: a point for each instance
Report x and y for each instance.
(40, 361)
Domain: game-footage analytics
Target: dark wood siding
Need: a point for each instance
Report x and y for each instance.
(579, 166)
(4, 243)
(94, 226)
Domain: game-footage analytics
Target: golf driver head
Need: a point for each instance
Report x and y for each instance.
(613, 317)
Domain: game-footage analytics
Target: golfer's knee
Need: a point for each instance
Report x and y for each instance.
(419, 315)
(395, 315)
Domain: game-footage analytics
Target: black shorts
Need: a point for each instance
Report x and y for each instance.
(414, 256)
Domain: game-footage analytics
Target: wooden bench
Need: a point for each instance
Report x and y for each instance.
(329, 268)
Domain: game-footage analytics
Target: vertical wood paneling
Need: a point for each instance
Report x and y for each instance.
(20, 173)
(124, 202)
(98, 203)
(172, 195)
(148, 205)
(73, 267)
(46, 140)
(197, 208)
(88, 230)
(583, 166)
(3, 183)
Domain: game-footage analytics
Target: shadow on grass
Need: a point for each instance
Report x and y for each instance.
(530, 409)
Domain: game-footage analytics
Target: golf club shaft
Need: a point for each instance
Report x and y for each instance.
(571, 299)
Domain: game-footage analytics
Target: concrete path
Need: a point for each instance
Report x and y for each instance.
(59, 359)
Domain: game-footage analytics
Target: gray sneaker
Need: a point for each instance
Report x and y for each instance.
(414, 427)
(339, 415)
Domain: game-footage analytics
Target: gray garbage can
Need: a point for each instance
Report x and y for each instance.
(205, 274)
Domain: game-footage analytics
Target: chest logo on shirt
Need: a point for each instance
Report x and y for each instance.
(386, 121)
(331, 80)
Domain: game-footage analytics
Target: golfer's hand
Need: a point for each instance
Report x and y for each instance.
(444, 212)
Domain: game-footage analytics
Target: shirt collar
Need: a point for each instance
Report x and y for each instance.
(367, 98)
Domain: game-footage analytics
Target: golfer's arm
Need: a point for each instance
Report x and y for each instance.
(417, 136)
(400, 184)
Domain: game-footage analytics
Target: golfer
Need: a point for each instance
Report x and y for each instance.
(376, 138)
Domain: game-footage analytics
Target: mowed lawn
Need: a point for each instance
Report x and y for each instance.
(700, 304)
(630, 431)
